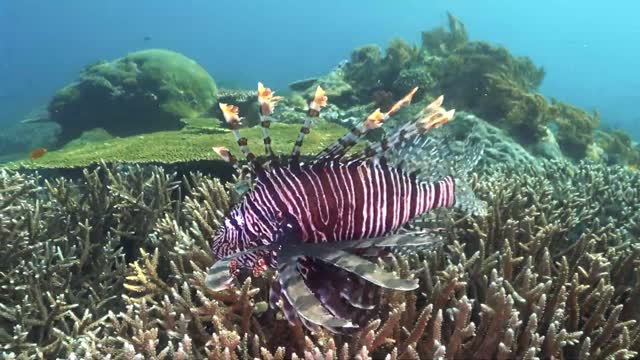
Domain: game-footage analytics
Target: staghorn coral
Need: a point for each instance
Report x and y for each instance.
(550, 270)
(64, 247)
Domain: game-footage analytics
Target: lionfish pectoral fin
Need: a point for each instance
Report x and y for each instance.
(420, 239)
(296, 292)
(357, 265)
(219, 276)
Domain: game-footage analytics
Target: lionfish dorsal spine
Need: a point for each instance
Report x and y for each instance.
(315, 106)
(267, 102)
(375, 120)
(232, 117)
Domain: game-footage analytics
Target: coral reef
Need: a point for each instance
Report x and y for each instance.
(368, 71)
(477, 77)
(245, 100)
(493, 84)
(141, 92)
(113, 264)
(191, 143)
(335, 84)
(441, 41)
(618, 148)
(575, 128)
(498, 147)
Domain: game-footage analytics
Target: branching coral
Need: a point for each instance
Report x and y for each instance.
(551, 270)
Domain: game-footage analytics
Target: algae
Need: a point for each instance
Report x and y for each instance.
(194, 142)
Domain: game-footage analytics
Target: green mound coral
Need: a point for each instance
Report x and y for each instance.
(113, 265)
(191, 143)
(143, 91)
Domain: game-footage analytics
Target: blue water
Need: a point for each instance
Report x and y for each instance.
(589, 48)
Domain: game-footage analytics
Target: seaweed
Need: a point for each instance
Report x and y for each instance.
(575, 128)
(618, 147)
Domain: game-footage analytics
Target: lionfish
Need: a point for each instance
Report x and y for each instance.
(320, 223)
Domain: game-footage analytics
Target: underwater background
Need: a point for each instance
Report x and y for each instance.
(589, 49)
(142, 143)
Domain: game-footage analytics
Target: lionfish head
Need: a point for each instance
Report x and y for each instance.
(230, 236)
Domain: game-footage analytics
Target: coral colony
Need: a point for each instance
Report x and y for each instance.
(507, 231)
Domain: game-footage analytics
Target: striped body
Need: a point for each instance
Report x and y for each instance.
(322, 224)
(330, 201)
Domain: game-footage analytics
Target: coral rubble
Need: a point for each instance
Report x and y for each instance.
(113, 264)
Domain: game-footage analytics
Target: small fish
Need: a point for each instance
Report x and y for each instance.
(147, 38)
(37, 153)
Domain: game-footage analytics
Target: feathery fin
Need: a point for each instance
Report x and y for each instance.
(232, 117)
(299, 295)
(432, 116)
(355, 264)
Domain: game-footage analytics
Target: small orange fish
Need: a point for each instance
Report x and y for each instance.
(37, 153)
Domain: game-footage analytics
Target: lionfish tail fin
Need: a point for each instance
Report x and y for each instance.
(375, 120)
(315, 106)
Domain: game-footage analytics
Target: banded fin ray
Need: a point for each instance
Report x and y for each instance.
(340, 147)
(409, 239)
(300, 296)
(362, 267)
